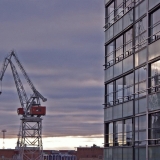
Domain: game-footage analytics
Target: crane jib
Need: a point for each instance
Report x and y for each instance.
(26, 103)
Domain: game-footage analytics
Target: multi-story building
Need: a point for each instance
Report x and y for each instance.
(89, 153)
(132, 80)
(12, 154)
(59, 155)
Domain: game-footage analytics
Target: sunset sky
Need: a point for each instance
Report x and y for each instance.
(61, 46)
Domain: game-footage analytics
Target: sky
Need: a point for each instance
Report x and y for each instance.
(61, 46)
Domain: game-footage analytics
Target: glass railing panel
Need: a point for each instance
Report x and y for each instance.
(118, 27)
(128, 63)
(153, 3)
(140, 57)
(154, 101)
(109, 34)
(117, 111)
(118, 69)
(154, 50)
(106, 1)
(108, 73)
(140, 10)
(154, 152)
(128, 19)
(128, 109)
(108, 114)
(117, 153)
(108, 154)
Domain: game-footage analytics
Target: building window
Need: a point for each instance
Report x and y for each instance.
(123, 90)
(109, 134)
(119, 49)
(119, 90)
(109, 96)
(154, 85)
(140, 34)
(124, 45)
(128, 87)
(140, 82)
(128, 5)
(109, 54)
(155, 26)
(155, 76)
(110, 14)
(128, 42)
(119, 133)
(128, 132)
(140, 105)
(119, 9)
(140, 10)
(154, 128)
(140, 130)
(116, 10)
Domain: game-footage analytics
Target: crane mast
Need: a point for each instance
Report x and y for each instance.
(29, 143)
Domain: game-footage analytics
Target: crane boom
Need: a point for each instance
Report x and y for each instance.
(20, 89)
(5, 65)
(27, 78)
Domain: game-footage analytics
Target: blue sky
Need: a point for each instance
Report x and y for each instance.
(61, 46)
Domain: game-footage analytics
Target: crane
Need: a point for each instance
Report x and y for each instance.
(29, 143)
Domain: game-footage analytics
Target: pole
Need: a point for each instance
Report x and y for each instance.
(4, 138)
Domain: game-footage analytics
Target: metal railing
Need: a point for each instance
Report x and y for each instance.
(118, 16)
(150, 39)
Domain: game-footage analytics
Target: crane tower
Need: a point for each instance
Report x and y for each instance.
(29, 143)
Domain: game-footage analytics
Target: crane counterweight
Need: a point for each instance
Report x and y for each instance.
(20, 111)
(38, 110)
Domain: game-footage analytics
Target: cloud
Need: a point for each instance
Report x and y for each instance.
(34, 27)
(60, 45)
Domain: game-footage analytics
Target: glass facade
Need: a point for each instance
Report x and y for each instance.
(132, 80)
